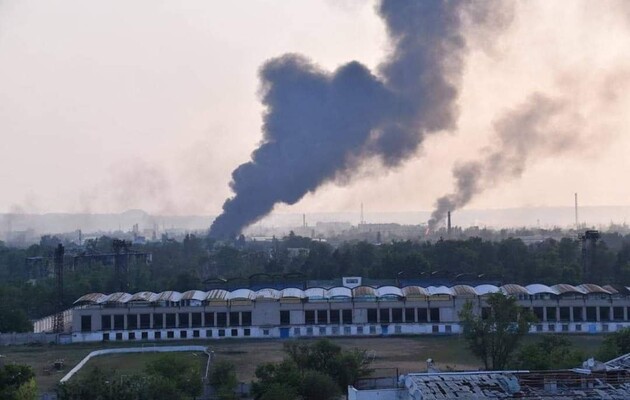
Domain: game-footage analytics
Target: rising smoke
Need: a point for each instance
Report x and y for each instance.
(319, 125)
(530, 130)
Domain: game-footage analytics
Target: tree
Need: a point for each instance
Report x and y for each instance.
(614, 345)
(551, 352)
(493, 337)
(174, 372)
(223, 379)
(17, 382)
(318, 386)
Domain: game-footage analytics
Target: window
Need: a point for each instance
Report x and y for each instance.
(551, 327)
(221, 319)
(106, 322)
(565, 327)
(221, 332)
(618, 313)
(384, 314)
(448, 328)
(435, 329)
(539, 328)
(564, 314)
(247, 332)
(246, 318)
(195, 320)
(322, 330)
(346, 316)
(209, 333)
(538, 312)
(209, 319)
(285, 317)
(183, 320)
(578, 327)
(372, 330)
(604, 327)
(234, 332)
(196, 333)
(372, 318)
(158, 335)
(604, 313)
(234, 319)
(359, 330)
(435, 315)
(422, 315)
(577, 313)
(591, 313)
(410, 315)
(119, 336)
(334, 317)
(296, 331)
(145, 335)
(183, 334)
(309, 317)
(86, 323)
(132, 335)
(145, 321)
(397, 315)
(551, 314)
(158, 321)
(266, 332)
(105, 337)
(309, 331)
(322, 316)
(170, 334)
(170, 320)
(347, 330)
(132, 321)
(119, 322)
(335, 329)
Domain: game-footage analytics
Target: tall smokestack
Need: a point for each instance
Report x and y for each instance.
(319, 126)
(448, 224)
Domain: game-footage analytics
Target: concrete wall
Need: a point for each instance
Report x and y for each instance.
(10, 339)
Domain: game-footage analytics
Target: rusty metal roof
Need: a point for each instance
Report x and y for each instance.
(563, 288)
(364, 291)
(514, 289)
(464, 290)
(93, 298)
(592, 288)
(144, 296)
(414, 291)
(217, 295)
(194, 295)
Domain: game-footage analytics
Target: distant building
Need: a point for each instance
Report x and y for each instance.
(352, 307)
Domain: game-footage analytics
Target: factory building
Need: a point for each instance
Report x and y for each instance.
(349, 310)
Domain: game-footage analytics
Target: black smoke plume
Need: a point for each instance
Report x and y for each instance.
(319, 125)
(528, 131)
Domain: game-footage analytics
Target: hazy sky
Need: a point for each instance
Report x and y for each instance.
(112, 105)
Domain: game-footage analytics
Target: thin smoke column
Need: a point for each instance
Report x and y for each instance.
(318, 126)
(521, 134)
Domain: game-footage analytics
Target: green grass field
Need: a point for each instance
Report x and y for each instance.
(407, 354)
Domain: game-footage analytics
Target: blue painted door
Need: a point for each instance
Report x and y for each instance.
(384, 329)
(284, 333)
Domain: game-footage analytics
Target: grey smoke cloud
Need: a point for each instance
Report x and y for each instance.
(521, 134)
(320, 125)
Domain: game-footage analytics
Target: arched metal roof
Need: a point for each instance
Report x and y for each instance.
(241, 294)
(563, 288)
(464, 290)
(292, 293)
(91, 298)
(414, 291)
(512, 289)
(194, 295)
(118, 297)
(315, 293)
(363, 291)
(437, 290)
(537, 288)
(389, 291)
(267, 294)
(143, 297)
(169, 296)
(217, 295)
(592, 288)
(486, 289)
(338, 292)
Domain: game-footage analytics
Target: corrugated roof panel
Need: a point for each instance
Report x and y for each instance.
(93, 298)
(414, 291)
(512, 289)
(267, 294)
(437, 290)
(563, 288)
(194, 295)
(315, 293)
(537, 288)
(217, 295)
(486, 289)
(464, 290)
(241, 294)
(592, 288)
(615, 289)
(118, 297)
(363, 291)
(169, 295)
(143, 296)
(389, 291)
(294, 293)
(338, 292)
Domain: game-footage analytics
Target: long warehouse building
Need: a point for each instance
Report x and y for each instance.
(349, 310)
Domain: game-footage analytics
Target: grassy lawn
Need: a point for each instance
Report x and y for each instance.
(407, 354)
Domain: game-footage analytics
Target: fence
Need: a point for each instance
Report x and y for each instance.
(10, 339)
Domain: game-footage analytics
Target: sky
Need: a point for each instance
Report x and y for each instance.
(144, 104)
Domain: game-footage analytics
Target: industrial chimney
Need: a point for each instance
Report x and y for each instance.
(448, 224)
